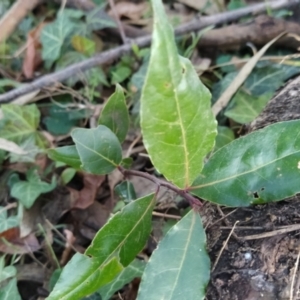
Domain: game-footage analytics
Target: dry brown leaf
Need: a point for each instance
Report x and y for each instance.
(12, 243)
(32, 57)
(90, 220)
(86, 196)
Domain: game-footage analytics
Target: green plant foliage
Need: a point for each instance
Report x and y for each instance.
(7, 83)
(260, 167)
(258, 88)
(224, 137)
(30, 151)
(61, 119)
(20, 123)
(7, 222)
(8, 281)
(115, 114)
(179, 268)
(83, 45)
(93, 77)
(67, 175)
(66, 154)
(125, 190)
(54, 35)
(113, 248)
(98, 19)
(177, 124)
(134, 270)
(268, 77)
(99, 149)
(28, 191)
(245, 108)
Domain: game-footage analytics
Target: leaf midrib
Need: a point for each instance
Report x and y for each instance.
(240, 174)
(183, 256)
(111, 255)
(97, 153)
(186, 164)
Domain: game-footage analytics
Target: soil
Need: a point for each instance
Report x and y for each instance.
(258, 260)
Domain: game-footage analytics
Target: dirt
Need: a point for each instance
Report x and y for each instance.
(261, 267)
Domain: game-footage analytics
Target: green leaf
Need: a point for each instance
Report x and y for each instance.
(120, 74)
(20, 124)
(134, 270)
(66, 154)
(28, 191)
(179, 268)
(8, 282)
(268, 77)
(99, 149)
(125, 191)
(113, 248)
(260, 167)
(61, 118)
(67, 175)
(10, 291)
(98, 19)
(74, 285)
(177, 123)
(30, 149)
(54, 35)
(8, 82)
(83, 45)
(92, 77)
(247, 107)
(115, 114)
(7, 222)
(224, 137)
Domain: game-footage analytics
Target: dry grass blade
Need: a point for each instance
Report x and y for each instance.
(241, 77)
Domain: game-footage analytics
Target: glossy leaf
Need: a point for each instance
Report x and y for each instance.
(99, 149)
(28, 191)
(134, 270)
(126, 191)
(179, 268)
(113, 248)
(260, 167)
(20, 124)
(66, 154)
(115, 114)
(177, 123)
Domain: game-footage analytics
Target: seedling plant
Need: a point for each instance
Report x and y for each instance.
(179, 131)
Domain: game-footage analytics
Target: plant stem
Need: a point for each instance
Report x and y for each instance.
(194, 202)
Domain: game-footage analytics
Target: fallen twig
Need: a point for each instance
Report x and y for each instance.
(101, 58)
